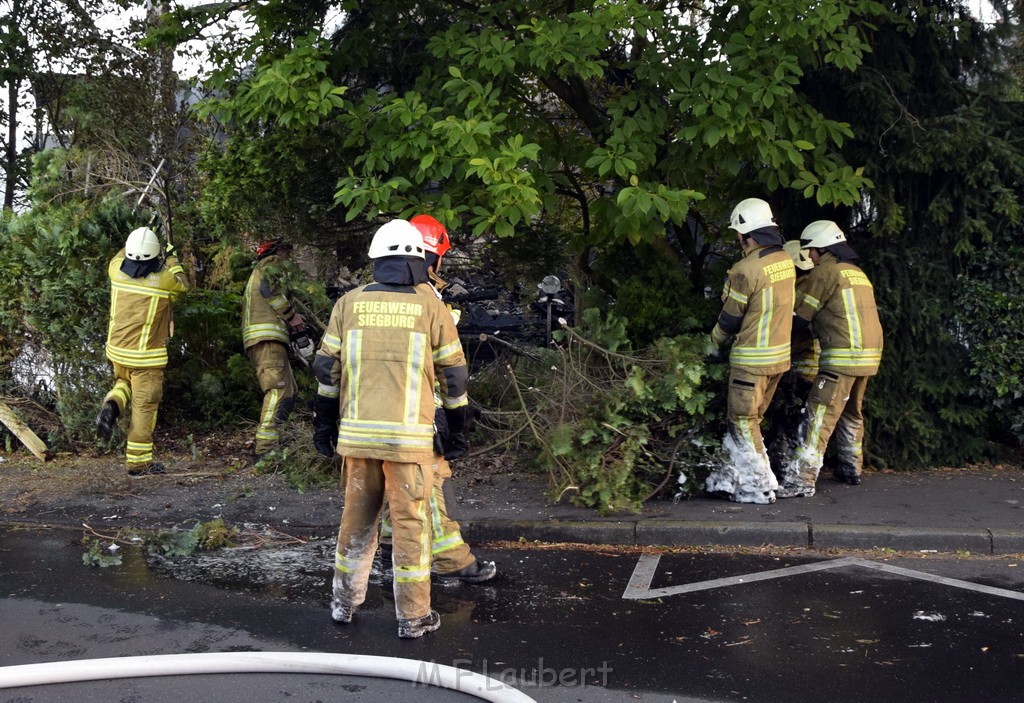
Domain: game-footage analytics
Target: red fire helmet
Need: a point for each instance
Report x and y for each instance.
(267, 246)
(435, 236)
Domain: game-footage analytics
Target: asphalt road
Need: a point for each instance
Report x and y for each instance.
(604, 624)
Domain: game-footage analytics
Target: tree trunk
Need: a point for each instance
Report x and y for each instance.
(11, 147)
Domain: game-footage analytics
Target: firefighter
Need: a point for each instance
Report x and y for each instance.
(386, 345)
(839, 300)
(452, 559)
(757, 318)
(787, 407)
(269, 322)
(142, 288)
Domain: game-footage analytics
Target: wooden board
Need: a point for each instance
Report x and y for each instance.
(23, 432)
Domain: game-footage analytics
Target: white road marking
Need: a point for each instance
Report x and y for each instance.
(639, 586)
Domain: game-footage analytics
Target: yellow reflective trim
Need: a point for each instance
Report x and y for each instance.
(267, 424)
(383, 433)
(331, 342)
(435, 511)
(852, 319)
(355, 348)
(764, 326)
(140, 290)
(737, 296)
(388, 425)
(344, 564)
(459, 402)
(448, 542)
(414, 361)
(815, 431)
(383, 442)
(447, 350)
(147, 327)
(328, 391)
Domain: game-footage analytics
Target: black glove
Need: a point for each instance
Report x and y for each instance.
(325, 424)
(440, 431)
(460, 421)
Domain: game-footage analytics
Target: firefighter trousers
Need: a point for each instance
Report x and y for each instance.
(745, 474)
(447, 548)
(835, 405)
(408, 488)
(785, 416)
(142, 389)
(270, 359)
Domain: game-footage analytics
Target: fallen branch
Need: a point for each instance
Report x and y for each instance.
(484, 337)
(23, 432)
(499, 443)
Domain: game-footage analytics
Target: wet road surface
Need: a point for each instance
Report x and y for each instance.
(554, 624)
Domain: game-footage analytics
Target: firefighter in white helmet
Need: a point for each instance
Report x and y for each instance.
(386, 345)
(142, 287)
(840, 302)
(453, 560)
(756, 318)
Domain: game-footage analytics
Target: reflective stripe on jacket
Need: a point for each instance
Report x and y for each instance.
(806, 349)
(758, 310)
(840, 302)
(140, 313)
(265, 310)
(387, 346)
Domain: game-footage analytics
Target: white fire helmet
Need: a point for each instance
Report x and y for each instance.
(821, 234)
(397, 238)
(801, 259)
(751, 214)
(142, 245)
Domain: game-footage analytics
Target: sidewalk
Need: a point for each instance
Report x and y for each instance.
(980, 511)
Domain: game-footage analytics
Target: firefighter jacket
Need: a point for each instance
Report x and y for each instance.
(758, 310)
(805, 350)
(140, 313)
(265, 309)
(385, 347)
(839, 300)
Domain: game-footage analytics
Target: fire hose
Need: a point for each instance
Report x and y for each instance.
(420, 672)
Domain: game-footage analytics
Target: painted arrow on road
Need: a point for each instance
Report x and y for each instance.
(639, 586)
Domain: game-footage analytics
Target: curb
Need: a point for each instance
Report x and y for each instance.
(1007, 542)
(901, 538)
(678, 533)
(583, 531)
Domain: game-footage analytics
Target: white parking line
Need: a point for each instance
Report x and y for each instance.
(639, 586)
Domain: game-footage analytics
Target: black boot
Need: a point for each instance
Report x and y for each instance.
(153, 468)
(477, 572)
(847, 475)
(417, 627)
(107, 418)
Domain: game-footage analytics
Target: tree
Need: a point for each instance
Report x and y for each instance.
(939, 135)
(43, 41)
(500, 115)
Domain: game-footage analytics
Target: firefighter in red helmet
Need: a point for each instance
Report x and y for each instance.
(268, 322)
